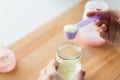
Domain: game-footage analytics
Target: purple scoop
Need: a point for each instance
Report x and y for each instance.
(69, 35)
(81, 24)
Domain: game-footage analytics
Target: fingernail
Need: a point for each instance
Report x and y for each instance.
(104, 27)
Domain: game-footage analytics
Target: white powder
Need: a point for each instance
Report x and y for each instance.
(70, 28)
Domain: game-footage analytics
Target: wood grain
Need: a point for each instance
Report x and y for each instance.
(35, 50)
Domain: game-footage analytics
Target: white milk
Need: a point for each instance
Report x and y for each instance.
(69, 56)
(68, 69)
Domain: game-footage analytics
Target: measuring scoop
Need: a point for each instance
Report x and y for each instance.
(70, 31)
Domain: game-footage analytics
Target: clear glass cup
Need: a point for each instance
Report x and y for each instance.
(69, 56)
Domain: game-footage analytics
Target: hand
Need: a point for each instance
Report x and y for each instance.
(50, 73)
(109, 24)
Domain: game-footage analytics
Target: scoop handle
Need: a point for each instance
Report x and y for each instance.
(87, 21)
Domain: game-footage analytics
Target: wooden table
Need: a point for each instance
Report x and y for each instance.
(34, 51)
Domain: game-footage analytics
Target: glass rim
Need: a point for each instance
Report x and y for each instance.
(78, 54)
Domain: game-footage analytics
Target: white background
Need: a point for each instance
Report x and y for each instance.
(19, 17)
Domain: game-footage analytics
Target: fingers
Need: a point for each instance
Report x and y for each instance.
(43, 75)
(52, 67)
(119, 20)
(113, 28)
(50, 72)
(43, 72)
(105, 16)
(99, 22)
(103, 13)
(55, 76)
(104, 35)
(102, 28)
(91, 13)
(80, 75)
(103, 31)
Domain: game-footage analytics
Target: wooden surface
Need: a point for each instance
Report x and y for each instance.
(34, 51)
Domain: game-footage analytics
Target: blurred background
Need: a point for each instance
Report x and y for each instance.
(19, 17)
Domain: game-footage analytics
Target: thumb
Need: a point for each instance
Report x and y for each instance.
(103, 13)
(79, 76)
(52, 67)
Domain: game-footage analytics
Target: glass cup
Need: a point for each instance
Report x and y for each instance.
(69, 56)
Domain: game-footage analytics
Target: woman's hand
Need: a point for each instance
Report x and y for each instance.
(109, 24)
(50, 73)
